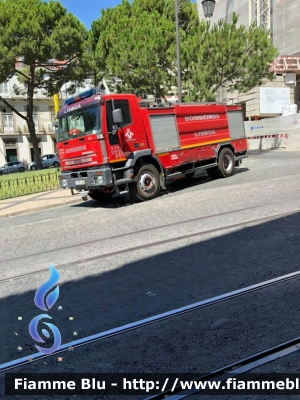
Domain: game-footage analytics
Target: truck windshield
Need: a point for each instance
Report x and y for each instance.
(80, 123)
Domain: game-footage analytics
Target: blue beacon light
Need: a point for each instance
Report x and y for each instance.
(80, 96)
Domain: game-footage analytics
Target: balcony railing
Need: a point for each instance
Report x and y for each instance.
(285, 64)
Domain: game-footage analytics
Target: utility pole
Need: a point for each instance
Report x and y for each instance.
(208, 8)
(56, 109)
(178, 53)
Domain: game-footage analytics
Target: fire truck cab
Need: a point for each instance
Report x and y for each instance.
(115, 143)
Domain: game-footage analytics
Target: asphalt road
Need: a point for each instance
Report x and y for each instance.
(109, 277)
(197, 342)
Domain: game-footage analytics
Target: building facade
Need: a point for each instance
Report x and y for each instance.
(281, 17)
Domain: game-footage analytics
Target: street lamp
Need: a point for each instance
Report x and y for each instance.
(208, 8)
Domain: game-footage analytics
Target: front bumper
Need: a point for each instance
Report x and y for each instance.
(87, 180)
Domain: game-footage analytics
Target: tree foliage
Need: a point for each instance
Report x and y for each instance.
(136, 41)
(225, 55)
(35, 32)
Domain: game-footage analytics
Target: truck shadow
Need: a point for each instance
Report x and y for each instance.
(159, 281)
(118, 201)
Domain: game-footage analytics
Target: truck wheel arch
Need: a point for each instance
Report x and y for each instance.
(144, 157)
(221, 146)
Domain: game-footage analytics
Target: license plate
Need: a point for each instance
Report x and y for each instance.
(79, 183)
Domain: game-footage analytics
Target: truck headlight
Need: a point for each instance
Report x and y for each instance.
(99, 180)
(64, 182)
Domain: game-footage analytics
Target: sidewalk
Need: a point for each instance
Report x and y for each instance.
(37, 202)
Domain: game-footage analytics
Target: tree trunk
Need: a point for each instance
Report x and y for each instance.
(35, 143)
(30, 123)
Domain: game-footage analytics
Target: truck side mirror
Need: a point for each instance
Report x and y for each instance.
(117, 117)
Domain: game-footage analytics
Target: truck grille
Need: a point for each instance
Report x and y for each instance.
(82, 174)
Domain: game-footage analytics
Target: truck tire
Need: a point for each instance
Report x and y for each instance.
(226, 163)
(147, 183)
(100, 196)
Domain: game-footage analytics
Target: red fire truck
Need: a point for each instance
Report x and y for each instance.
(116, 143)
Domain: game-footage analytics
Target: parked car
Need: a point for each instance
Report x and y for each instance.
(13, 166)
(48, 160)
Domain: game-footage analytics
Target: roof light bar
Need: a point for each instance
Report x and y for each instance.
(80, 96)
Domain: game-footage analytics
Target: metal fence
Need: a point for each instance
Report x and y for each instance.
(16, 187)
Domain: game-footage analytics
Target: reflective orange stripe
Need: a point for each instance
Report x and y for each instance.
(118, 160)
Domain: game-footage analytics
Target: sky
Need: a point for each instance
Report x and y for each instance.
(88, 10)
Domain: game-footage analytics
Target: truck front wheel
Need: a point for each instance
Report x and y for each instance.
(146, 183)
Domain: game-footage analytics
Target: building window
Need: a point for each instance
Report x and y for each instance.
(34, 117)
(10, 143)
(11, 155)
(7, 120)
(35, 120)
(4, 88)
(53, 114)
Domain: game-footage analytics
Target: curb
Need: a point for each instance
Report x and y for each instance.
(41, 208)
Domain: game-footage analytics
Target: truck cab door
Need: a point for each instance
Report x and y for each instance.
(113, 139)
(114, 149)
(130, 135)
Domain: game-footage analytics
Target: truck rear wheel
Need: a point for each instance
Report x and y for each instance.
(225, 167)
(147, 183)
(226, 163)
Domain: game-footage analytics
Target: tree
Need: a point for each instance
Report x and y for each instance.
(225, 55)
(35, 32)
(136, 42)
